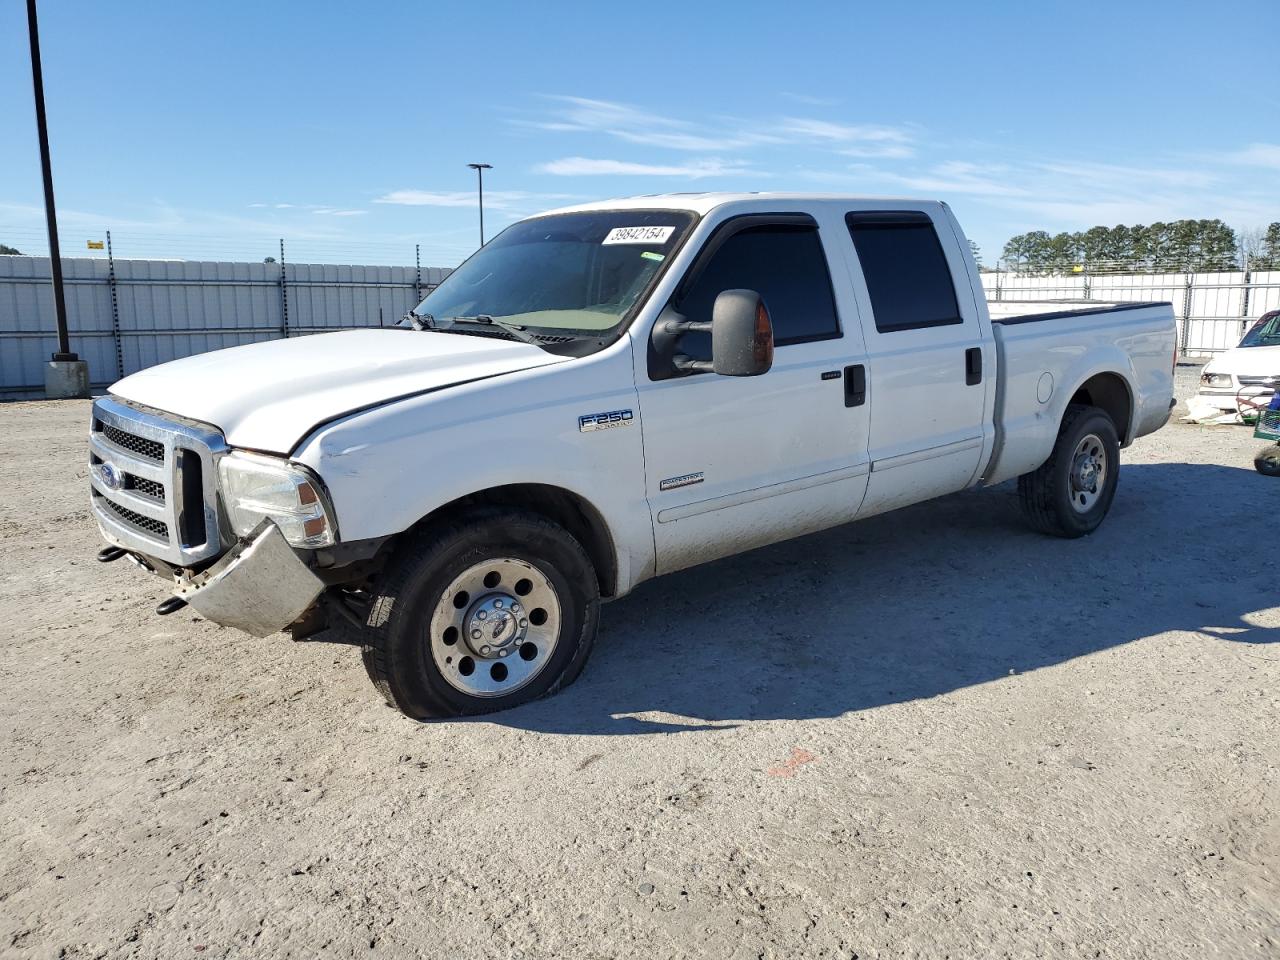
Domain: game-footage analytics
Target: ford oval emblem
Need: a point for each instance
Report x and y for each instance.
(109, 476)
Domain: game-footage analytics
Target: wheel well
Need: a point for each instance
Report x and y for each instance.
(575, 514)
(1108, 392)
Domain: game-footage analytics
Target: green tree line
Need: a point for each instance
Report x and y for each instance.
(1181, 245)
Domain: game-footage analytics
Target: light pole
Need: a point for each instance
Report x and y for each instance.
(67, 375)
(479, 168)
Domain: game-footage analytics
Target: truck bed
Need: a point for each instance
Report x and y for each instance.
(1046, 348)
(1030, 311)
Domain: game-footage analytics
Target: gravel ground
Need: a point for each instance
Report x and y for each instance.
(929, 734)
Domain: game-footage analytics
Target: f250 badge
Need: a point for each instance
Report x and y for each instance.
(604, 421)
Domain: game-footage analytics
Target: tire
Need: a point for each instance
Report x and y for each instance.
(508, 582)
(1267, 462)
(1071, 492)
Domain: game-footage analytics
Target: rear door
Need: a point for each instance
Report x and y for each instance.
(928, 358)
(737, 462)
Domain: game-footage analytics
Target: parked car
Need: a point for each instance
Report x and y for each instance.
(1244, 373)
(600, 395)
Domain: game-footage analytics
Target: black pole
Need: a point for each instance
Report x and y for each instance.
(480, 177)
(480, 168)
(55, 256)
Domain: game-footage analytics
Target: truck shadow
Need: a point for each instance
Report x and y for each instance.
(922, 602)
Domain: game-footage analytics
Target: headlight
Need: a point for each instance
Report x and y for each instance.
(1219, 380)
(254, 487)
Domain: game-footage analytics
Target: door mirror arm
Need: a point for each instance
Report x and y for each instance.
(741, 339)
(674, 328)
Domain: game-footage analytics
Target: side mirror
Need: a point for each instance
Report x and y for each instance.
(741, 339)
(741, 335)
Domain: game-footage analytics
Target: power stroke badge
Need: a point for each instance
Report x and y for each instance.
(604, 421)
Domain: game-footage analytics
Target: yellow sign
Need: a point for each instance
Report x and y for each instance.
(95, 244)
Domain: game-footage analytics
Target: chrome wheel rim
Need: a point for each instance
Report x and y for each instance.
(1088, 473)
(495, 627)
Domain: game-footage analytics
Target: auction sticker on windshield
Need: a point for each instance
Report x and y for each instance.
(638, 235)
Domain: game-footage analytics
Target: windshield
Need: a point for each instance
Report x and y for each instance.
(1264, 333)
(577, 272)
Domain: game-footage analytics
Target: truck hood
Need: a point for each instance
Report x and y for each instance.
(268, 396)
(1247, 361)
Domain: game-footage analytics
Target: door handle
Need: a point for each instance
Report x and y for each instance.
(855, 385)
(973, 366)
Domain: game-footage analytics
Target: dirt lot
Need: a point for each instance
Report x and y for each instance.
(930, 734)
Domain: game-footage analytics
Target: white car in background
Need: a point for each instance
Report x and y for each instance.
(1245, 371)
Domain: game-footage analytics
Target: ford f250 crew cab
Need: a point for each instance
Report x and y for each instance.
(600, 395)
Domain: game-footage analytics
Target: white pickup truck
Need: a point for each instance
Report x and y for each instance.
(600, 395)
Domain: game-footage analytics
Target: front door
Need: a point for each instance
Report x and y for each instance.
(736, 462)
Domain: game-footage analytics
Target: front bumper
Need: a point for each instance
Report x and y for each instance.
(1222, 399)
(261, 586)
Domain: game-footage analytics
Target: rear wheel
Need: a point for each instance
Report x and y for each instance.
(491, 610)
(1071, 492)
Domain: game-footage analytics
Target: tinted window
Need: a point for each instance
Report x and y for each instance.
(905, 269)
(786, 266)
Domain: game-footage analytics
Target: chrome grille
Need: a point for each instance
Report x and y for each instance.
(157, 528)
(153, 482)
(148, 488)
(150, 449)
(1257, 381)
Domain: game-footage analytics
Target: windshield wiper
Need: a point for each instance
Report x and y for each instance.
(517, 331)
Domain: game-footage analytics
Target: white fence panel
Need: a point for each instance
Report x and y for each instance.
(1212, 309)
(1264, 294)
(165, 309)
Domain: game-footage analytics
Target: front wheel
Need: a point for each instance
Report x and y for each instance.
(491, 610)
(1071, 492)
(1267, 462)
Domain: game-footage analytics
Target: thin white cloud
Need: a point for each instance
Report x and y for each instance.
(880, 151)
(588, 167)
(429, 198)
(1065, 194)
(824, 130)
(809, 100)
(853, 140)
(633, 125)
(1118, 176)
(497, 199)
(317, 208)
(1258, 155)
(630, 124)
(952, 177)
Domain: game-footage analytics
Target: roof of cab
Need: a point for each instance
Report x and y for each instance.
(703, 203)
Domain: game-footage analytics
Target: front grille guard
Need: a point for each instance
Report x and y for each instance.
(183, 527)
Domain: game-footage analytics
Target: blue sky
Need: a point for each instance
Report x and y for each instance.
(209, 130)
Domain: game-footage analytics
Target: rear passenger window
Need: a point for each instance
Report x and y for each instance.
(784, 263)
(906, 271)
